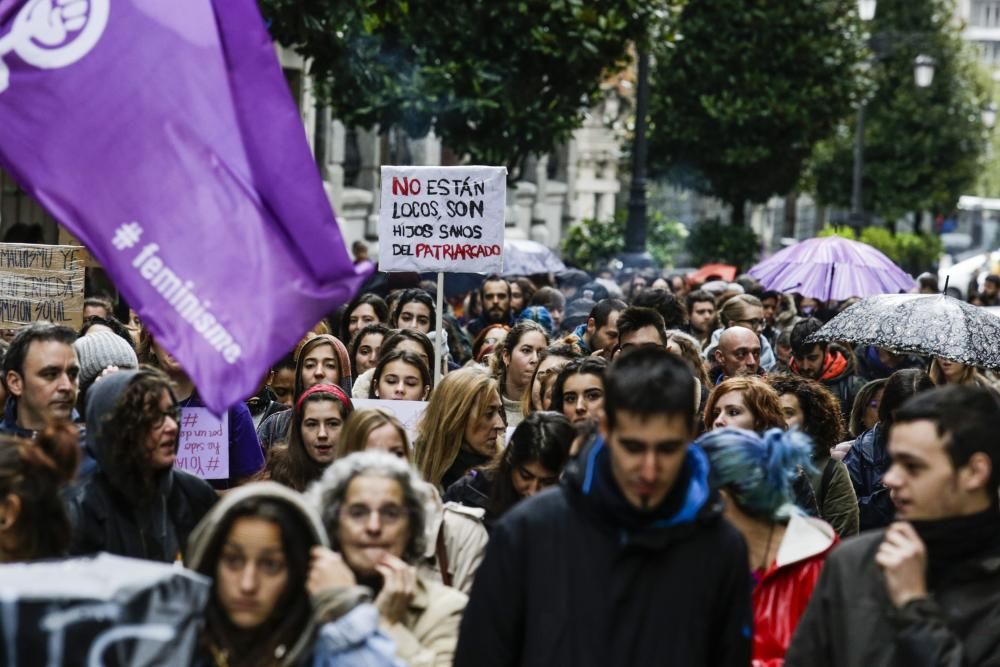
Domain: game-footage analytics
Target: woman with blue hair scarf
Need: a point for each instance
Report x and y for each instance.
(754, 474)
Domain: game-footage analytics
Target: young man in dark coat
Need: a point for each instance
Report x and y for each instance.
(628, 562)
(925, 591)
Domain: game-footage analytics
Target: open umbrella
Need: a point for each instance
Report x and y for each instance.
(929, 324)
(831, 268)
(725, 272)
(522, 257)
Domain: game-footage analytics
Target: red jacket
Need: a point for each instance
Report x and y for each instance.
(784, 590)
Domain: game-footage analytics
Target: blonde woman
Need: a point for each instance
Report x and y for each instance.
(461, 428)
(454, 536)
(945, 371)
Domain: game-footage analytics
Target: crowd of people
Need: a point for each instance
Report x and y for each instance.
(630, 471)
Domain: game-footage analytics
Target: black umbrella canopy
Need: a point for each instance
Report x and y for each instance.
(929, 324)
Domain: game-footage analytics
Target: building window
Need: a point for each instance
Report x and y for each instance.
(985, 14)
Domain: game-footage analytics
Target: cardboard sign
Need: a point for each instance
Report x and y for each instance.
(108, 611)
(408, 412)
(203, 448)
(41, 282)
(443, 219)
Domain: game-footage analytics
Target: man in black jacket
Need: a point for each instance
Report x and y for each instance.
(926, 591)
(628, 562)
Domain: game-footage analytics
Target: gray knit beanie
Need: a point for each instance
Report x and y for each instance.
(96, 351)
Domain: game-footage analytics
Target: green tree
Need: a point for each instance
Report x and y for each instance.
(921, 145)
(712, 242)
(738, 105)
(912, 252)
(497, 81)
(591, 244)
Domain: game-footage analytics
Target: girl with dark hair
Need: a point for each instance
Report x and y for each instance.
(401, 376)
(868, 459)
(277, 586)
(365, 310)
(414, 310)
(514, 365)
(136, 504)
(365, 347)
(578, 392)
(409, 340)
(533, 461)
(754, 475)
(318, 417)
(33, 520)
(813, 409)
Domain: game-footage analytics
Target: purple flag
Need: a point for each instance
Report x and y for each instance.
(164, 136)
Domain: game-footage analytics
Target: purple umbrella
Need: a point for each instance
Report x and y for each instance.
(832, 268)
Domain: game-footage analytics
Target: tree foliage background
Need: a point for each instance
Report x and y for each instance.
(591, 244)
(922, 147)
(737, 107)
(497, 81)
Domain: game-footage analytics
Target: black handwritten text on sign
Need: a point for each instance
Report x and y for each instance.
(448, 219)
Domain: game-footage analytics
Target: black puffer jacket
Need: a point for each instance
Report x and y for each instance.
(576, 576)
(106, 518)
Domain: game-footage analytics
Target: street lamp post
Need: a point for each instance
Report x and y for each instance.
(923, 75)
(635, 255)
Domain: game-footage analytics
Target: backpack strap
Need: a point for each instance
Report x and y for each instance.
(442, 557)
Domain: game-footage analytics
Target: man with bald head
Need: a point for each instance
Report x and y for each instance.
(738, 352)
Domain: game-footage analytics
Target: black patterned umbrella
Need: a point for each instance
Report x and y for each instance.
(929, 324)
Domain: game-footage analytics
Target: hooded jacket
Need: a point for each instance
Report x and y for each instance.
(785, 588)
(577, 576)
(106, 517)
(274, 430)
(344, 627)
(455, 539)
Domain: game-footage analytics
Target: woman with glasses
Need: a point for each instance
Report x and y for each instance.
(744, 310)
(373, 509)
(136, 504)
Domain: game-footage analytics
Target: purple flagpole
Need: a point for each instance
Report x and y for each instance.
(164, 136)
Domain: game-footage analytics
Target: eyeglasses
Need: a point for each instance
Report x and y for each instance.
(754, 324)
(387, 514)
(160, 417)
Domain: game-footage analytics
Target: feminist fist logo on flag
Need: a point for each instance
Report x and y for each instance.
(53, 33)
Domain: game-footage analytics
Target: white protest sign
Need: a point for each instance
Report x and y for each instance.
(443, 219)
(203, 447)
(408, 412)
